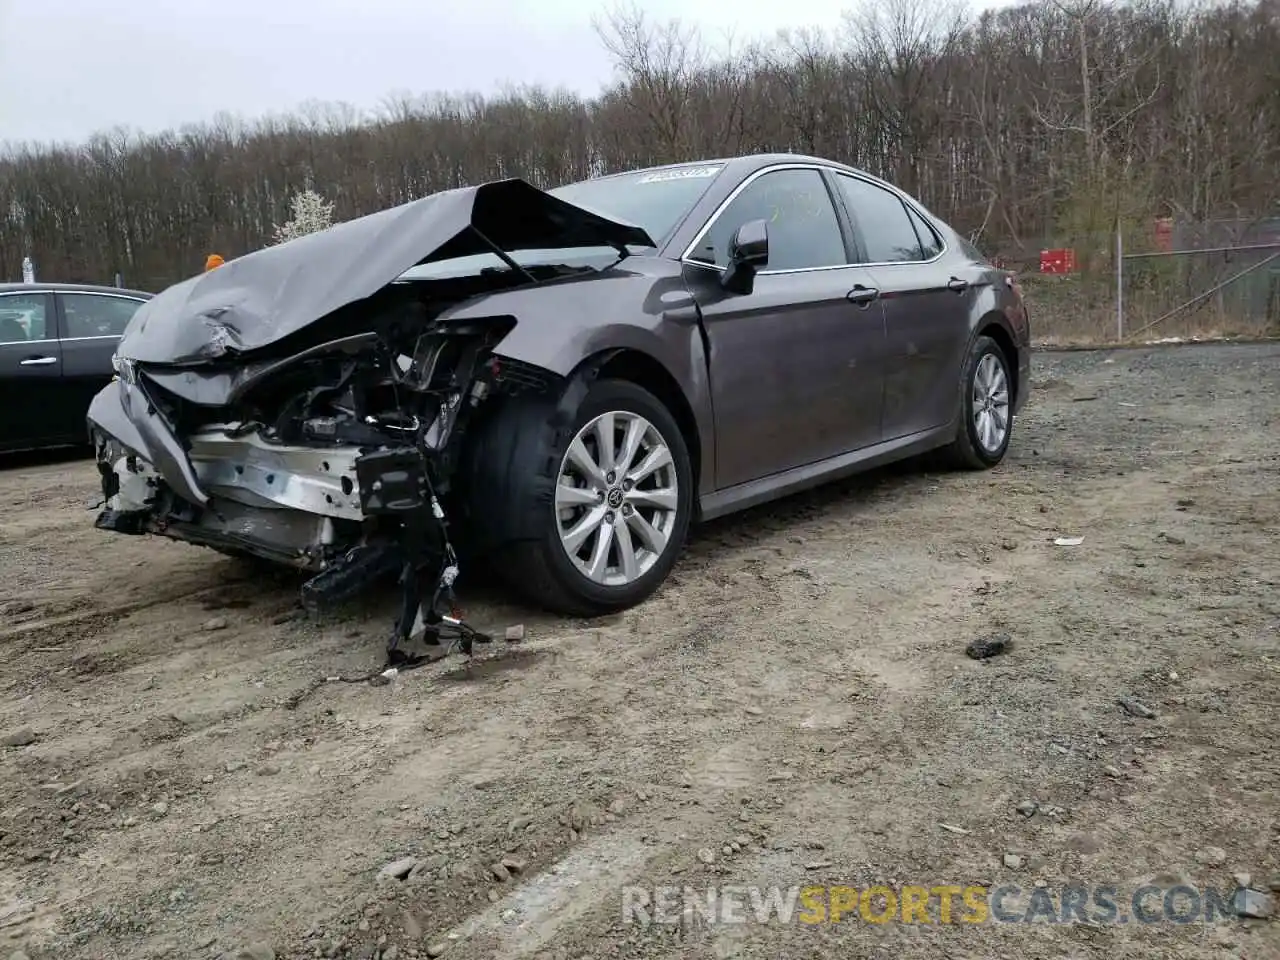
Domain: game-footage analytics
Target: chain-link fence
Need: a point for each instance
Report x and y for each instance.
(1156, 280)
(1216, 278)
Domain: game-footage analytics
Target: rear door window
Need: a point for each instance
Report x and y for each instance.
(883, 222)
(930, 242)
(96, 314)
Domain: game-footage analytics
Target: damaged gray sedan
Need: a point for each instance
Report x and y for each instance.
(556, 382)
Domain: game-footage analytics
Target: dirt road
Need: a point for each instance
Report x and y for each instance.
(795, 707)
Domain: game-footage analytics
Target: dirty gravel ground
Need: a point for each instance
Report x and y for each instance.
(799, 689)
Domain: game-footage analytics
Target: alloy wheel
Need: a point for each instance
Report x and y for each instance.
(990, 406)
(617, 498)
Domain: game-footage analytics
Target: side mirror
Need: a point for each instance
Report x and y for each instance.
(748, 252)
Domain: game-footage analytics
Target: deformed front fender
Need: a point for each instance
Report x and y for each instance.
(122, 411)
(641, 305)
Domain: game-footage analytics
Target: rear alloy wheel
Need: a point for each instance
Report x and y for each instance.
(986, 409)
(600, 529)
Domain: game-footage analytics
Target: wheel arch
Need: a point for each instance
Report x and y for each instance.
(646, 371)
(994, 326)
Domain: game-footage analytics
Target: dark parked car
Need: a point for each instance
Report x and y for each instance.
(56, 343)
(571, 376)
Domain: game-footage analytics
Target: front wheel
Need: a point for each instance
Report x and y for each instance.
(986, 409)
(608, 510)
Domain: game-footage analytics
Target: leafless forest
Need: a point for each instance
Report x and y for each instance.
(1043, 125)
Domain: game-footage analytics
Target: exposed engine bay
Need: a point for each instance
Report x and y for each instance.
(336, 459)
(308, 403)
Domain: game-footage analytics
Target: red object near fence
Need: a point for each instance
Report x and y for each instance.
(1062, 260)
(1164, 233)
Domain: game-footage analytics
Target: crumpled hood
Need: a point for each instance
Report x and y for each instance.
(258, 299)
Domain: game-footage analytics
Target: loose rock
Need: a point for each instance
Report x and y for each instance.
(1136, 708)
(515, 634)
(1255, 905)
(22, 737)
(514, 864)
(1027, 808)
(1213, 856)
(984, 648)
(500, 873)
(436, 950)
(214, 623)
(518, 824)
(412, 928)
(1012, 861)
(398, 869)
(707, 855)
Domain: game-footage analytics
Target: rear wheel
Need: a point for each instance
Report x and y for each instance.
(598, 510)
(986, 409)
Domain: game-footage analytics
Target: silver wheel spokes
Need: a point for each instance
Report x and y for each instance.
(990, 403)
(616, 498)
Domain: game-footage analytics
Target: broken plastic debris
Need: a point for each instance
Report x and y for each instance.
(1069, 541)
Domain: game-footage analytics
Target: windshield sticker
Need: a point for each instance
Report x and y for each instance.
(684, 173)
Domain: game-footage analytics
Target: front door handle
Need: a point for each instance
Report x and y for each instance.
(956, 285)
(862, 296)
(37, 361)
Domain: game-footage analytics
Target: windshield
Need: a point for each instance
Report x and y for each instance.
(652, 199)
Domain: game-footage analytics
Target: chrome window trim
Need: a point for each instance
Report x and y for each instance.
(109, 336)
(800, 165)
(78, 293)
(724, 205)
(95, 293)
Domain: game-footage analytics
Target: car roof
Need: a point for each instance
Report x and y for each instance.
(40, 287)
(743, 165)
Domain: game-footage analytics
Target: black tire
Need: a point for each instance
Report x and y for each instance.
(967, 451)
(510, 521)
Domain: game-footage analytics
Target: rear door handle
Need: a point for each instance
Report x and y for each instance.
(862, 296)
(37, 361)
(957, 285)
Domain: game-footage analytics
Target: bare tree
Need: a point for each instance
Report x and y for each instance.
(1048, 120)
(659, 64)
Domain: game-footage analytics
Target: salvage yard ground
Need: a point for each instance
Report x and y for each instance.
(794, 707)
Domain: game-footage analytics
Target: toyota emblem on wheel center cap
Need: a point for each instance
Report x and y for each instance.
(615, 497)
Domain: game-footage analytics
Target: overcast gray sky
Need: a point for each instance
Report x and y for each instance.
(69, 68)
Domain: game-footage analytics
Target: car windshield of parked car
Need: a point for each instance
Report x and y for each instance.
(654, 200)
